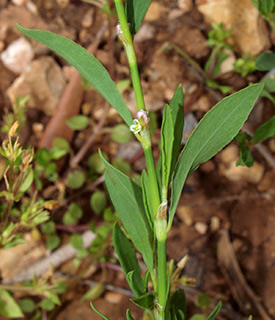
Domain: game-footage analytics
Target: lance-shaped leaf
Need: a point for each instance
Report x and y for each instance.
(167, 141)
(145, 301)
(126, 197)
(8, 306)
(215, 312)
(87, 65)
(178, 305)
(146, 194)
(264, 131)
(216, 129)
(176, 106)
(135, 12)
(128, 315)
(128, 261)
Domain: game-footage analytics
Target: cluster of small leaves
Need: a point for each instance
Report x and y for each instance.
(217, 39)
(44, 288)
(19, 175)
(245, 65)
(18, 114)
(45, 161)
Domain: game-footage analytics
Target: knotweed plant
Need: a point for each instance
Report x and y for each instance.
(147, 212)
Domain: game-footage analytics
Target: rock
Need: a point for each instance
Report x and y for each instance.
(38, 128)
(201, 227)
(43, 81)
(63, 3)
(19, 2)
(228, 64)
(174, 14)
(113, 297)
(155, 11)
(145, 32)
(250, 34)
(215, 224)
(253, 174)
(18, 55)
(203, 104)
(207, 166)
(17, 258)
(271, 144)
(88, 19)
(185, 5)
(186, 215)
(229, 154)
(266, 183)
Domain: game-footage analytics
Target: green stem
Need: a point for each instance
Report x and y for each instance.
(162, 276)
(127, 41)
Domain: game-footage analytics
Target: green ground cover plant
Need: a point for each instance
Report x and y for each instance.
(146, 211)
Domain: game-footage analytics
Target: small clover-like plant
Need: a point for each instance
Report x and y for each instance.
(147, 211)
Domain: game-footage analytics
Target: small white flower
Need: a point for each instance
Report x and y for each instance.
(136, 127)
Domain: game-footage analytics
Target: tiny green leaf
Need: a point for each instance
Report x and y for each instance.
(95, 292)
(145, 301)
(53, 241)
(8, 306)
(76, 241)
(265, 61)
(121, 133)
(95, 163)
(47, 304)
(88, 66)
(76, 179)
(215, 312)
(48, 228)
(99, 313)
(27, 305)
(128, 261)
(128, 315)
(216, 129)
(264, 131)
(98, 201)
(26, 180)
(78, 122)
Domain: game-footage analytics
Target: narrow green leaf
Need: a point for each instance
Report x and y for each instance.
(88, 66)
(177, 111)
(145, 301)
(128, 261)
(126, 197)
(26, 180)
(128, 315)
(265, 61)
(135, 12)
(178, 304)
(249, 318)
(264, 131)
(216, 129)
(215, 312)
(99, 313)
(8, 306)
(146, 194)
(167, 141)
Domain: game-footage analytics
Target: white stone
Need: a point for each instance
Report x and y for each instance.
(201, 227)
(18, 55)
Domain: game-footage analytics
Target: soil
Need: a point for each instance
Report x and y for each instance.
(210, 203)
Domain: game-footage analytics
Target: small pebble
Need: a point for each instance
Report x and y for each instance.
(19, 2)
(174, 14)
(201, 227)
(145, 32)
(18, 55)
(38, 128)
(113, 297)
(186, 215)
(185, 5)
(154, 12)
(88, 20)
(63, 3)
(215, 224)
(2, 46)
